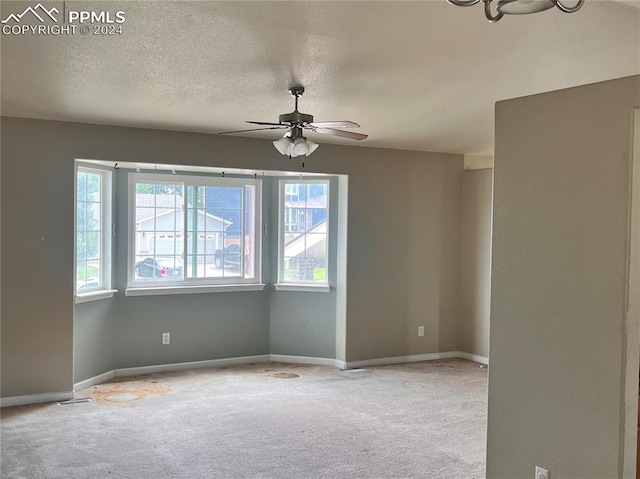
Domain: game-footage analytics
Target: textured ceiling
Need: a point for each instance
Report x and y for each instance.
(416, 75)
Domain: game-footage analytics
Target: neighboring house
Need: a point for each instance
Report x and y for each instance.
(305, 256)
(228, 202)
(302, 214)
(160, 227)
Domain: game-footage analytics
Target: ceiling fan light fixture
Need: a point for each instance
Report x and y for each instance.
(299, 146)
(522, 7)
(518, 7)
(283, 145)
(312, 146)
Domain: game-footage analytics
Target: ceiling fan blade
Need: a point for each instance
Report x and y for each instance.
(265, 123)
(254, 129)
(334, 124)
(344, 134)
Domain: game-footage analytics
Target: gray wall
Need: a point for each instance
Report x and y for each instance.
(560, 242)
(403, 257)
(475, 277)
(37, 263)
(94, 339)
(403, 254)
(304, 324)
(202, 326)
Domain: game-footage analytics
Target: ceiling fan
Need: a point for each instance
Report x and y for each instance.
(294, 143)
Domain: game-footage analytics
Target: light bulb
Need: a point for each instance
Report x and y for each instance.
(283, 145)
(300, 147)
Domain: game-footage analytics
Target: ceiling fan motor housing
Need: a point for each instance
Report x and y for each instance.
(296, 118)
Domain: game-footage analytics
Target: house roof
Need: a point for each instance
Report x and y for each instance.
(304, 242)
(164, 204)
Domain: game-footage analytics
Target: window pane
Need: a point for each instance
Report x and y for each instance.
(214, 197)
(144, 188)
(305, 269)
(81, 249)
(218, 219)
(93, 187)
(233, 198)
(81, 187)
(81, 216)
(90, 256)
(159, 237)
(249, 246)
(159, 268)
(304, 233)
(199, 200)
(81, 270)
(317, 196)
(92, 275)
(316, 219)
(93, 245)
(93, 216)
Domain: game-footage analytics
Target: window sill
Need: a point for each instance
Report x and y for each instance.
(95, 295)
(164, 290)
(307, 288)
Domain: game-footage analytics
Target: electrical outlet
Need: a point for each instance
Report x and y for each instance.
(420, 330)
(166, 338)
(541, 473)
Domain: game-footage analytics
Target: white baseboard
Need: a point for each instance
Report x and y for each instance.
(474, 357)
(35, 398)
(285, 358)
(211, 363)
(340, 364)
(100, 378)
(217, 363)
(402, 359)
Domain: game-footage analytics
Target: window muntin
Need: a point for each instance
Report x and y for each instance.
(93, 217)
(304, 216)
(194, 230)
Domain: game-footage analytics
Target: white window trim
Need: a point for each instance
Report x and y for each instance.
(216, 288)
(95, 295)
(136, 287)
(282, 285)
(303, 287)
(106, 200)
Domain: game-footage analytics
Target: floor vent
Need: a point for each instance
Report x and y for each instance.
(75, 401)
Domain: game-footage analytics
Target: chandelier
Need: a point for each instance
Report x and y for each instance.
(517, 7)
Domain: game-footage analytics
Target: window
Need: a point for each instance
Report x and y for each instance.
(304, 214)
(291, 189)
(193, 231)
(93, 239)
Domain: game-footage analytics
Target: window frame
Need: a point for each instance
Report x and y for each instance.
(139, 287)
(281, 284)
(106, 232)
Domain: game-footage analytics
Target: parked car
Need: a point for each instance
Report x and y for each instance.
(159, 268)
(230, 257)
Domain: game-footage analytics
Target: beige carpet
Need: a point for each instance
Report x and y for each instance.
(272, 420)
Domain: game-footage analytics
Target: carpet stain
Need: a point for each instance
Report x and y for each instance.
(119, 393)
(284, 375)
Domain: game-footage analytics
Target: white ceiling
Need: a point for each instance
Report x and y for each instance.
(416, 75)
